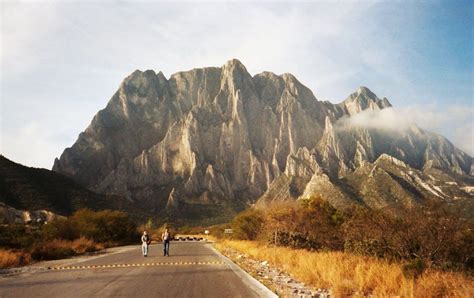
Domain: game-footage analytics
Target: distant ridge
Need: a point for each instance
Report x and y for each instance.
(34, 189)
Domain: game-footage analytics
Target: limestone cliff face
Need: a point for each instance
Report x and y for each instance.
(220, 136)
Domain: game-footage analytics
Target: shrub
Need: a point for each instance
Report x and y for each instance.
(321, 224)
(63, 237)
(311, 224)
(60, 228)
(429, 234)
(247, 224)
(100, 226)
(18, 236)
(413, 268)
(55, 249)
(103, 226)
(9, 258)
(83, 245)
(58, 249)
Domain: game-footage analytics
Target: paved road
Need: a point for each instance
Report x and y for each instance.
(194, 269)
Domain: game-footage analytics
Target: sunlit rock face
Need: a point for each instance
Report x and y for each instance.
(218, 136)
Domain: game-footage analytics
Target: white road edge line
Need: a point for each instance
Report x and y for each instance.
(248, 279)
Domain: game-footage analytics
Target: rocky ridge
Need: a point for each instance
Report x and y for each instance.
(221, 137)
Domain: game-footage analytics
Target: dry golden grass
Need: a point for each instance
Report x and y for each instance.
(352, 275)
(9, 258)
(78, 246)
(57, 248)
(83, 245)
(54, 249)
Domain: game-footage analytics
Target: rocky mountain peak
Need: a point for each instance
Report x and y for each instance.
(235, 67)
(234, 63)
(217, 136)
(362, 99)
(362, 90)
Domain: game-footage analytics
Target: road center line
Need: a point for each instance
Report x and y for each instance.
(135, 265)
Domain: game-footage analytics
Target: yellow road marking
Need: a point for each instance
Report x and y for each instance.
(134, 265)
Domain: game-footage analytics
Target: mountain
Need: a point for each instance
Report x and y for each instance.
(36, 190)
(211, 141)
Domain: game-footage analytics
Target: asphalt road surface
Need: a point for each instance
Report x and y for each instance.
(193, 269)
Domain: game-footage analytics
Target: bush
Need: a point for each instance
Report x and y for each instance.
(102, 226)
(58, 249)
(321, 224)
(60, 228)
(247, 224)
(18, 236)
(105, 226)
(10, 258)
(429, 234)
(311, 224)
(413, 268)
(55, 249)
(63, 238)
(83, 245)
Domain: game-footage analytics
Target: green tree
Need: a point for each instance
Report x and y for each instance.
(247, 224)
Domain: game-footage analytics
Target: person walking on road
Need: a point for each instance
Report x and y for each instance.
(145, 242)
(166, 236)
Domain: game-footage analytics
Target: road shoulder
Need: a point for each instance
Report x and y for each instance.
(250, 281)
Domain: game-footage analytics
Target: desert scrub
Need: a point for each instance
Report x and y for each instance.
(10, 258)
(348, 274)
(58, 249)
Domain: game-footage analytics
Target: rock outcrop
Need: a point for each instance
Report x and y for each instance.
(10, 215)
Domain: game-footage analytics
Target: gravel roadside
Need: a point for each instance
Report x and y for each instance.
(280, 282)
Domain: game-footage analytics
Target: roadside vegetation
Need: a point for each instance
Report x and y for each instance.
(84, 231)
(422, 251)
(347, 274)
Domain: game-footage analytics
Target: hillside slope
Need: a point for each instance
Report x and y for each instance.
(34, 189)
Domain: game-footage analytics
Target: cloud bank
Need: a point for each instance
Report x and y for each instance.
(456, 121)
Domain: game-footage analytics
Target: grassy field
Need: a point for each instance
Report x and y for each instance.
(353, 275)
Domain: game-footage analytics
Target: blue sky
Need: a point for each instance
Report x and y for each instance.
(61, 62)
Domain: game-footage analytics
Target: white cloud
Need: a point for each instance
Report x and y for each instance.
(455, 121)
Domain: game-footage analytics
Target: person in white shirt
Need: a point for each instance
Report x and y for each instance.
(166, 236)
(145, 242)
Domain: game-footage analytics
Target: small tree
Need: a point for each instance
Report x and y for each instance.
(247, 224)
